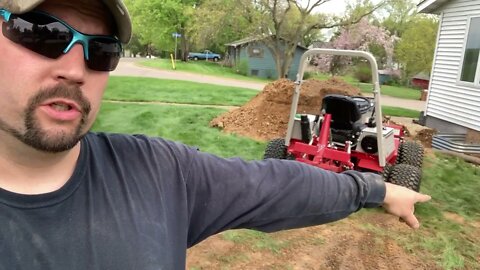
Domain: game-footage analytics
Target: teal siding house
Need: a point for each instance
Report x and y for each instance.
(259, 58)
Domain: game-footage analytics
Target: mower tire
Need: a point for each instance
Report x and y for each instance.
(386, 172)
(276, 149)
(406, 176)
(410, 153)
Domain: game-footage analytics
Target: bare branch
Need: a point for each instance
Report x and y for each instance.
(347, 22)
(317, 4)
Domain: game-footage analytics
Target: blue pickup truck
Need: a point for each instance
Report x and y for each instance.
(205, 55)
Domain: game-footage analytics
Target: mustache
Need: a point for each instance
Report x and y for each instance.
(73, 93)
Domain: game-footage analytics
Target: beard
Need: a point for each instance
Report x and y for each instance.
(52, 141)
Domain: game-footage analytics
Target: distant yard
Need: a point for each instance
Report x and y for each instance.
(201, 67)
(216, 69)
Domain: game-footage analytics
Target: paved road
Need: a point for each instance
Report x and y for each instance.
(127, 67)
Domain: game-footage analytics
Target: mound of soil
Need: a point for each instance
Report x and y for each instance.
(415, 131)
(265, 117)
(425, 136)
(473, 137)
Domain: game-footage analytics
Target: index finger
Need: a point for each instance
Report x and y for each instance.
(422, 197)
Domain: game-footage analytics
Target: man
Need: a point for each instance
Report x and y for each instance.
(70, 199)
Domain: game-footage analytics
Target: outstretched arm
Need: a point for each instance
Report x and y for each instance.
(400, 201)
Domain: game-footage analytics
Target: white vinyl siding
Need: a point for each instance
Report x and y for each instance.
(450, 99)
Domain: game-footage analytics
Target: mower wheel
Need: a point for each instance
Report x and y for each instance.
(276, 149)
(406, 176)
(410, 153)
(386, 172)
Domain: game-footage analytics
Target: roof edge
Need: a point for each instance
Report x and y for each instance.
(256, 38)
(430, 6)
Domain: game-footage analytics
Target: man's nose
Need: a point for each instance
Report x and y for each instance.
(71, 67)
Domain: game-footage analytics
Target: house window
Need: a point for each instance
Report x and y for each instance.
(255, 52)
(471, 53)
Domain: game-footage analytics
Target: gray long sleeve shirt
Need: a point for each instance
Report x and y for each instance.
(135, 202)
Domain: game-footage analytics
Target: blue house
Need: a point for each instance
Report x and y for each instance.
(260, 60)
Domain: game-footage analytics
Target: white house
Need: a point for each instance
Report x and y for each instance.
(453, 104)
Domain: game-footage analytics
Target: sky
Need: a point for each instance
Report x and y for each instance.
(336, 7)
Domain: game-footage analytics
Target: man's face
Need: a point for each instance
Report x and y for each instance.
(49, 104)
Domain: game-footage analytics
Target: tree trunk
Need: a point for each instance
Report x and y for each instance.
(287, 62)
(184, 48)
(279, 66)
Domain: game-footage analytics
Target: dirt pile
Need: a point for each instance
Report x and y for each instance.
(425, 136)
(473, 137)
(265, 117)
(414, 131)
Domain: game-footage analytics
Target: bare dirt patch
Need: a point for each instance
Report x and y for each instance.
(454, 217)
(348, 244)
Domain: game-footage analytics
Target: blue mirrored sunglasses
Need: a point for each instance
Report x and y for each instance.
(51, 37)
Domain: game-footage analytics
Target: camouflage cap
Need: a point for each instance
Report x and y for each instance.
(116, 7)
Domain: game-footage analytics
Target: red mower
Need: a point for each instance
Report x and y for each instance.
(348, 134)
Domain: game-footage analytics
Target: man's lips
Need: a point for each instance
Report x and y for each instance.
(71, 105)
(61, 110)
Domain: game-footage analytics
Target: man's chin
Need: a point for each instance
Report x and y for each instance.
(52, 141)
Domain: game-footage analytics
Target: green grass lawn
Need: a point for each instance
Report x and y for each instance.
(401, 112)
(393, 91)
(200, 67)
(178, 123)
(323, 76)
(453, 185)
(150, 89)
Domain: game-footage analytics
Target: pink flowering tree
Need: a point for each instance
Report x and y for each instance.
(360, 36)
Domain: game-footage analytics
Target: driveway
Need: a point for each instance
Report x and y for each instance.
(128, 67)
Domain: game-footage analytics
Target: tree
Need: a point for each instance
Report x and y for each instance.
(416, 48)
(400, 14)
(356, 9)
(155, 21)
(363, 36)
(217, 22)
(135, 46)
(289, 21)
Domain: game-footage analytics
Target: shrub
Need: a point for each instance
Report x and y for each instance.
(242, 67)
(308, 75)
(363, 73)
(396, 78)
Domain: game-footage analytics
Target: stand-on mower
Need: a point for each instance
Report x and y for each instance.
(348, 133)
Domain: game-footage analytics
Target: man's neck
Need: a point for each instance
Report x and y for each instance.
(25, 170)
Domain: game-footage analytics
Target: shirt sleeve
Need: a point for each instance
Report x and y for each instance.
(271, 195)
